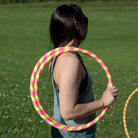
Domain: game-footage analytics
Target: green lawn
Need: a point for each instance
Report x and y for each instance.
(24, 38)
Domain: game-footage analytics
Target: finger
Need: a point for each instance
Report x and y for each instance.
(114, 89)
(108, 86)
(115, 94)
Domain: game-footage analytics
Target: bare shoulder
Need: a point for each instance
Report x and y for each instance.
(68, 59)
(66, 65)
(68, 55)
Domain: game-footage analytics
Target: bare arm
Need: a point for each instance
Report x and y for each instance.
(68, 75)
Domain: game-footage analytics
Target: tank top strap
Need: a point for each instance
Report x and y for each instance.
(52, 70)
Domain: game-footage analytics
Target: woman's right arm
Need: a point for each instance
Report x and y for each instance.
(68, 76)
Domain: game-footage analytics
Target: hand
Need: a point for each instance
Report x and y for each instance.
(109, 96)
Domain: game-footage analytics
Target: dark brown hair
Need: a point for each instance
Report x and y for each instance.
(67, 22)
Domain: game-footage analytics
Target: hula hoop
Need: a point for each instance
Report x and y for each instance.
(34, 87)
(124, 113)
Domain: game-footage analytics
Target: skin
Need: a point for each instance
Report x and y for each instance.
(68, 74)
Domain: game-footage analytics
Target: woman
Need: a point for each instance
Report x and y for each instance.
(73, 97)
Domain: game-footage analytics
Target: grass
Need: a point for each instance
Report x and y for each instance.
(24, 38)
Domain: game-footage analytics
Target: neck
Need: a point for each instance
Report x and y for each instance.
(73, 43)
